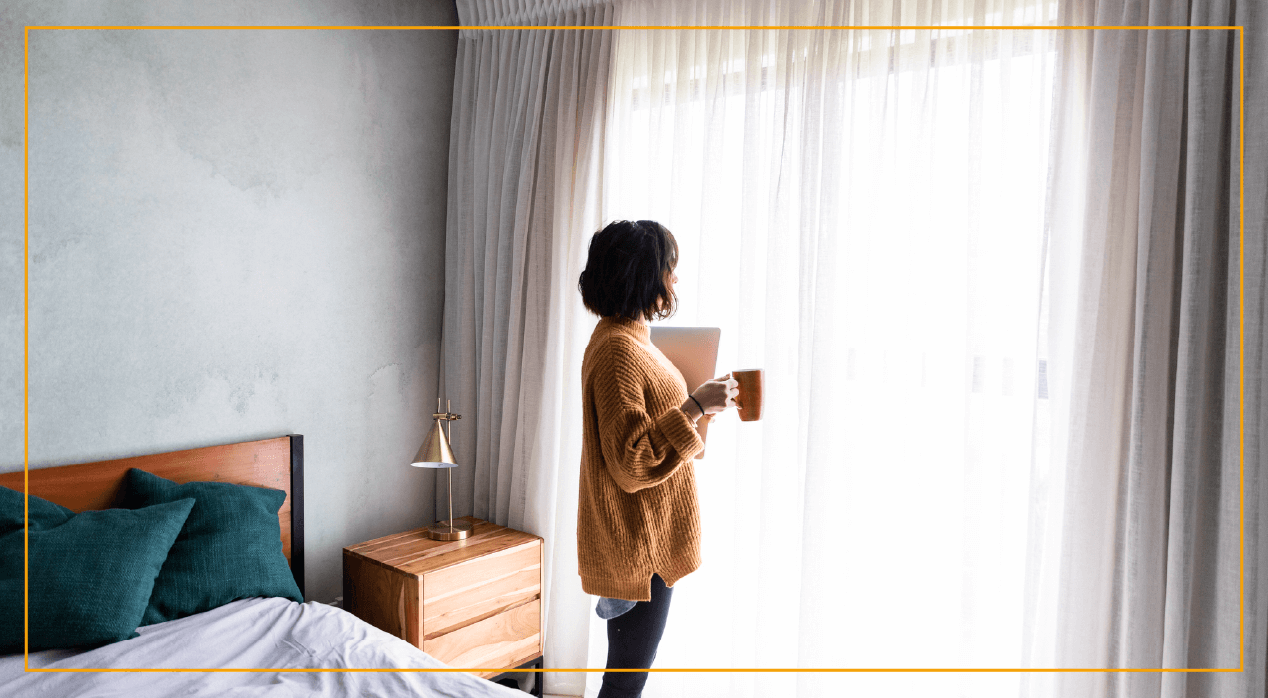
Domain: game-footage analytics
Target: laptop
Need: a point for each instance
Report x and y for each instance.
(694, 351)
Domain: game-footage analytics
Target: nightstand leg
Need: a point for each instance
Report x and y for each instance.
(539, 678)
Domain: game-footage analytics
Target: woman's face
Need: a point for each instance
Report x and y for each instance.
(669, 283)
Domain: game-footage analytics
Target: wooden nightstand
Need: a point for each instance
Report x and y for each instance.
(469, 603)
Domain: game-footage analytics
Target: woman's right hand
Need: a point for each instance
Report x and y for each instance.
(718, 394)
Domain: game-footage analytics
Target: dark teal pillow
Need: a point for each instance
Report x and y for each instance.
(230, 548)
(44, 514)
(90, 576)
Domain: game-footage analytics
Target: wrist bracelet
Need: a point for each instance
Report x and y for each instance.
(693, 399)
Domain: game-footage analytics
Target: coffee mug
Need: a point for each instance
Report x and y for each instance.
(749, 401)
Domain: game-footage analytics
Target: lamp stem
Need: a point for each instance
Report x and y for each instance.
(449, 471)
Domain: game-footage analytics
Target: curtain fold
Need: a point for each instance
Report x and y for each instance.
(523, 181)
(1143, 219)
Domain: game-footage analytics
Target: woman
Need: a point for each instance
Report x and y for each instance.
(638, 520)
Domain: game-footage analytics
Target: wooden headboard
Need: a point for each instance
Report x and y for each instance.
(276, 463)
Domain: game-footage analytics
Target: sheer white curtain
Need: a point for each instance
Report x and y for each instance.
(861, 212)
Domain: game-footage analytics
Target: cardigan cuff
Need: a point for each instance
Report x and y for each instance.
(681, 433)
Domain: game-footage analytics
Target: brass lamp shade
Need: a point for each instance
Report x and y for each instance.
(436, 453)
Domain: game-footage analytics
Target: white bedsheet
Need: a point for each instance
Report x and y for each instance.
(253, 633)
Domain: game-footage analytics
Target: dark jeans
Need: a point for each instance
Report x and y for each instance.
(632, 640)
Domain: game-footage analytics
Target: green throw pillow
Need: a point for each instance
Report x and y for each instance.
(90, 576)
(230, 548)
(44, 514)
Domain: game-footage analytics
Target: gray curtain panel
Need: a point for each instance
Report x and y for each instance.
(527, 107)
(524, 177)
(1144, 205)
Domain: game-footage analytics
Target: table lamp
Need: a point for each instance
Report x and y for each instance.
(436, 453)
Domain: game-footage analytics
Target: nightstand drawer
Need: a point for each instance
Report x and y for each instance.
(468, 592)
(504, 640)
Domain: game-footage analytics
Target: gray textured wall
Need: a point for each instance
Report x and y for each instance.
(233, 235)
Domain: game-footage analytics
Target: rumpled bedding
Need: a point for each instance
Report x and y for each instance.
(251, 633)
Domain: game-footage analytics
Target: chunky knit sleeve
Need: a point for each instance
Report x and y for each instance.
(640, 449)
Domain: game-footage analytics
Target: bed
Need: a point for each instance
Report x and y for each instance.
(308, 646)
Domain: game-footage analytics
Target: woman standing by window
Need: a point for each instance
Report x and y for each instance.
(638, 520)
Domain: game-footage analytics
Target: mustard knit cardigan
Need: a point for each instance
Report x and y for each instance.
(637, 512)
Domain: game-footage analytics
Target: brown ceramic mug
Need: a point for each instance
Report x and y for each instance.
(749, 401)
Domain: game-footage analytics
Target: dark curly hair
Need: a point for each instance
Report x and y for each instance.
(627, 270)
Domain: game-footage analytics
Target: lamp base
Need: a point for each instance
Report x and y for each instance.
(442, 530)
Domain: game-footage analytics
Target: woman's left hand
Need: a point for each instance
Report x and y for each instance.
(718, 394)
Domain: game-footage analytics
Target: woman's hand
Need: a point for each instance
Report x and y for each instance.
(714, 396)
